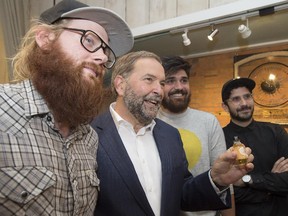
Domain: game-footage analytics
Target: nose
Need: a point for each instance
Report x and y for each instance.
(158, 89)
(243, 101)
(100, 57)
(178, 84)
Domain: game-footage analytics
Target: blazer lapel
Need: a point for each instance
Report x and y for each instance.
(111, 142)
(162, 141)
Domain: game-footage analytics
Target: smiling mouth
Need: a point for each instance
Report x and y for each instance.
(153, 102)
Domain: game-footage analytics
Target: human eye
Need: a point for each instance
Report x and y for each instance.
(169, 81)
(236, 99)
(184, 80)
(247, 96)
(149, 79)
(90, 41)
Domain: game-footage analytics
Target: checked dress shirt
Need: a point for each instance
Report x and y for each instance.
(42, 173)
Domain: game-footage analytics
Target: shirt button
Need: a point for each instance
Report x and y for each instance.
(49, 118)
(24, 194)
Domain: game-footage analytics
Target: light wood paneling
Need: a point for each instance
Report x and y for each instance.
(162, 9)
(137, 12)
(190, 6)
(118, 6)
(215, 3)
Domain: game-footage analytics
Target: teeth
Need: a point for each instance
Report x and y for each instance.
(177, 95)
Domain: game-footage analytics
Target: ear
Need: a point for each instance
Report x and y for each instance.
(44, 37)
(119, 84)
(225, 107)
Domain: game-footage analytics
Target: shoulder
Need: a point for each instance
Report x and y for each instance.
(268, 125)
(103, 118)
(11, 94)
(163, 125)
(201, 114)
(11, 89)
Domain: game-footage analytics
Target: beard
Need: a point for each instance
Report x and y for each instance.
(137, 105)
(72, 98)
(242, 117)
(176, 105)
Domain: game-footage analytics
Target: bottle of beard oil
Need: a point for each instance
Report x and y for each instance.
(239, 148)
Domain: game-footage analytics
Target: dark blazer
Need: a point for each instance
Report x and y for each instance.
(121, 193)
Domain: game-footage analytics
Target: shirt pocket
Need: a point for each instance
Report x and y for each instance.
(93, 179)
(23, 184)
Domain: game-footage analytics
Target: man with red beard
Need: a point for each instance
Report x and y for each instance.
(48, 149)
(201, 133)
(142, 164)
(264, 190)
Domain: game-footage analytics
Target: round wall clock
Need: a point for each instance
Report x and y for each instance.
(271, 84)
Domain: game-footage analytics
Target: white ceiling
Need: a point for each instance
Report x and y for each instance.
(266, 30)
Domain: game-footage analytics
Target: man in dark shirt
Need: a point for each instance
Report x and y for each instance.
(264, 190)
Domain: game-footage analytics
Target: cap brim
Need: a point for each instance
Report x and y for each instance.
(120, 36)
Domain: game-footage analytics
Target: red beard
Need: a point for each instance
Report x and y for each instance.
(72, 98)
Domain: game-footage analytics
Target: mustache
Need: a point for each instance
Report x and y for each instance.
(99, 70)
(244, 108)
(157, 98)
(178, 91)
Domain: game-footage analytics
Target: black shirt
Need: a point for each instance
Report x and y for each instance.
(267, 195)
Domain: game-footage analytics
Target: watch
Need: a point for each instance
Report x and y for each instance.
(246, 179)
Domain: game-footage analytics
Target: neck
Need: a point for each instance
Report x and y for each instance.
(121, 109)
(242, 123)
(172, 113)
(64, 130)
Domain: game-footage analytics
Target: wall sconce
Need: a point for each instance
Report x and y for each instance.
(212, 33)
(186, 40)
(271, 85)
(244, 30)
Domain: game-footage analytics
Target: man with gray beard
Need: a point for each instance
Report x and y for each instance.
(142, 164)
(263, 191)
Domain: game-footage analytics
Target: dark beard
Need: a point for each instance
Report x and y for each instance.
(174, 105)
(72, 99)
(236, 116)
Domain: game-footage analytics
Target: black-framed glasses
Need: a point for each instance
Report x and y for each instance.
(93, 42)
(238, 99)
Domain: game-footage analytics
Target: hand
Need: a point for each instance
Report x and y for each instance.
(224, 170)
(281, 165)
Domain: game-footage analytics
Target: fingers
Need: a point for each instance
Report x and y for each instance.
(250, 155)
(281, 165)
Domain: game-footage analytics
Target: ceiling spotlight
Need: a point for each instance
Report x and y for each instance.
(212, 33)
(186, 40)
(244, 30)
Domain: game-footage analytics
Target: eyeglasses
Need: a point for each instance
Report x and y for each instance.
(93, 42)
(238, 99)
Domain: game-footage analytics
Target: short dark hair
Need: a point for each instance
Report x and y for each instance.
(172, 64)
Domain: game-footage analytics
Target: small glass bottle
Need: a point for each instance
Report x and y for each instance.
(239, 148)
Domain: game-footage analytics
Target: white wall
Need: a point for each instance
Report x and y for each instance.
(140, 12)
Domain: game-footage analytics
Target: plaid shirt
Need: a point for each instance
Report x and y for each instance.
(40, 172)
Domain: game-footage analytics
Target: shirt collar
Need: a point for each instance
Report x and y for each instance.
(239, 128)
(34, 102)
(118, 120)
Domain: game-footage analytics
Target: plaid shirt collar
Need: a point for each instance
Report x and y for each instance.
(34, 104)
